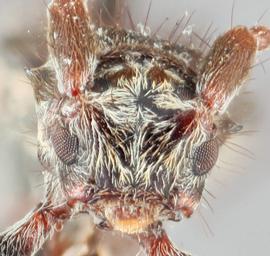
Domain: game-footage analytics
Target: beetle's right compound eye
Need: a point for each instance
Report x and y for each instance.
(204, 157)
(65, 145)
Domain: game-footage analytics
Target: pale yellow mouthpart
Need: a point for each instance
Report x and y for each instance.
(129, 219)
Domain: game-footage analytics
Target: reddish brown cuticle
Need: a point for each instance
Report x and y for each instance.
(185, 124)
(186, 211)
(75, 92)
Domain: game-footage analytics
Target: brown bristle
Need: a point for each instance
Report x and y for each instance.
(157, 75)
(126, 73)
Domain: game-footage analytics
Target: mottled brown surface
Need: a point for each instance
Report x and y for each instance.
(240, 235)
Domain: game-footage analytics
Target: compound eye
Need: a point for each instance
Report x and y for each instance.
(65, 145)
(205, 157)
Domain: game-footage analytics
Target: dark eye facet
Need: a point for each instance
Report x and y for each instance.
(65, 145)
(204, 157)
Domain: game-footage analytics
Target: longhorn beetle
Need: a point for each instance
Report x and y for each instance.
(129, 126)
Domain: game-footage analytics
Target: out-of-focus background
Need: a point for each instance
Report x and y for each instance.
(237, 223)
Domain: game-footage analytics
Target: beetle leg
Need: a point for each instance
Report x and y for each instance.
(27, 236)
(157, 243)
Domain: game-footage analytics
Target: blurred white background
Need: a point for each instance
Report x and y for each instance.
(239, 221)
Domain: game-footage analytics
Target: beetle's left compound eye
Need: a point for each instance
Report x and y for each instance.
(204, 157)
(65, 145)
